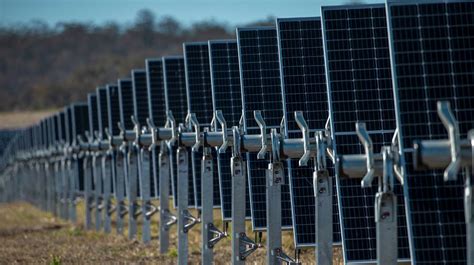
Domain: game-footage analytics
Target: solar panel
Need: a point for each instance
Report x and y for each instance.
(360, 89)
(226, 96)
(156, 91)
(62, 125)
(157, 108)
(125, 90)
(42, 134)
(68, 123)
(113, 109)
(304, 89)
(141, 111)
(432, 52)
(126, 103)
(260, 87)
(50, 131)
(176, 102)
(93, 115)
(199, 92)
(56, 128)
(103, 116)
(140, 96)
(80, 120)
(80, 126)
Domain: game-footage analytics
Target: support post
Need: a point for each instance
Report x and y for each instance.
(323, 197)
(164, 178)
(97, 191)
(73, 178)
(238, 208)
(49, 182)
(275, 177)
(386, 214)
(65, 188)
(207, 255)
(58, 187)
(144, 175)
(87, 191)
(183, 175)
(242, 246)
(323, 201)
(120, 190)
(469, 211)
(107, 177)
(132, 192)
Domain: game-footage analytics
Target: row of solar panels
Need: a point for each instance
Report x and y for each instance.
(386, 65)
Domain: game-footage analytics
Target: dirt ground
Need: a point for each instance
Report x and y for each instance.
(30, 236)
(21, 119)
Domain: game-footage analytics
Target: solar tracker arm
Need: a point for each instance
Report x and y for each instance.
(225, 139)
(136, 130)
(450, 154)
(299, 118)
(369, 154)
(263, 134)
(192, 119)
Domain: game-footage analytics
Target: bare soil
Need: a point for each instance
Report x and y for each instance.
(21, 119)
(30, 236)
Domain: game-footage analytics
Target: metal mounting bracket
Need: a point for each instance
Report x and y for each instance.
(282, 256)
(151, 210)
(369, 154)
(263, 134)
(299, 118)
(153, 131)
(191, 221)
(246, 246)
(215, 235)
(171, 123)
(170, 218)
(123, 209)
(192, 121)
(452, 126)
(225, 140)
(137, 210)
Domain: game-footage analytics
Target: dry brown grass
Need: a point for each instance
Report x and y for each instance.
(29, 236)
(21, 119)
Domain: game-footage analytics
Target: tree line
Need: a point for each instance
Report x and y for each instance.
(44, 66)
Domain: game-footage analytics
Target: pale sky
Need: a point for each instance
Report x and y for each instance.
(186, 11)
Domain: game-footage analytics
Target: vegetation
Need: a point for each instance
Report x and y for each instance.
(44, 66)
(30, 236)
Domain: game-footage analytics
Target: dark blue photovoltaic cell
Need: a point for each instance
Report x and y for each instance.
(304, 89)
(432, 59)
(113, 107)
(225, 80)
(103, 116)
(157, 112)
(126, 103)
(176, 103)
(62, 125)
(360, 90)
(140, 96)
(68, 123)
(156, 91)
(56, 128)
(93, 116)
(260, 87)
(80, 119)
(80, 122)
(199, 92)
